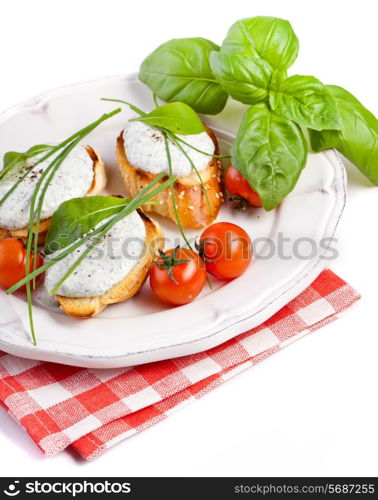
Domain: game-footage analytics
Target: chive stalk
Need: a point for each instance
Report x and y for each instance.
(181, 229)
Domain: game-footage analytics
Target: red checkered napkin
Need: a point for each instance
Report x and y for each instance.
(91, 410)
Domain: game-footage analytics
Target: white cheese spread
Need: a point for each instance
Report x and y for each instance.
(145, 149)
(73, 179)
(108, 263)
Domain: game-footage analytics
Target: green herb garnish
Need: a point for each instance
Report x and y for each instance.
(251, 67)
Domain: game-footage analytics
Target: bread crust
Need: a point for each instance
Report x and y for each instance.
(87, 307)
(192, 205)
(98, 184)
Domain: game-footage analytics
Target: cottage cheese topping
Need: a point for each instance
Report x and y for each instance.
(145, 149)
(73, 179)
(107, 264)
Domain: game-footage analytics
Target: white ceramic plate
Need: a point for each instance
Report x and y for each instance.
(142, 329)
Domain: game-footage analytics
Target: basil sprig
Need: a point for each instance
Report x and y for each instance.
(251, 66)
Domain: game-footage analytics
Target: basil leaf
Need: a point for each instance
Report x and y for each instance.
(176, 117)
(358, 138)
(12, 157)
(269, 38)
(75, 218)
(270, 151)
(13, 163)
(305, 100)
(245, 79)
(179, 70)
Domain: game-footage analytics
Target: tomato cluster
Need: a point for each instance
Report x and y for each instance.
(179, 275)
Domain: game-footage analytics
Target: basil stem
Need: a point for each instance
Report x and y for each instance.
(155, 98)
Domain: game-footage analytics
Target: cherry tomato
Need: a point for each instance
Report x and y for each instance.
(237, 185)
(13, 262)
(226, 249)
(178, 276)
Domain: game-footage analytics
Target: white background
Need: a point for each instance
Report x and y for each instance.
(310, 409)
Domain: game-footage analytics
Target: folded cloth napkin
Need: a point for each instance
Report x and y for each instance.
(91, 410)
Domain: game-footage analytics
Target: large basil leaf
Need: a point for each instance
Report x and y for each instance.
(246, 79)
(358, 138)
(270, 151)
(305, 100)
(269, 38)
(176, 117)
(77, 217)
(179, 70)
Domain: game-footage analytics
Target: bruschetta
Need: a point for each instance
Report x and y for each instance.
(142, 155)
(108, 275)
(82, 173)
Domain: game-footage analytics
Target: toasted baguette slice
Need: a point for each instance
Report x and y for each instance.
(192, 206)
(98, 184)
(86, 307)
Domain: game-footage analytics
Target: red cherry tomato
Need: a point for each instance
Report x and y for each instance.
(226, 249)
(13, 262)
(178, 276)
(237, 185)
